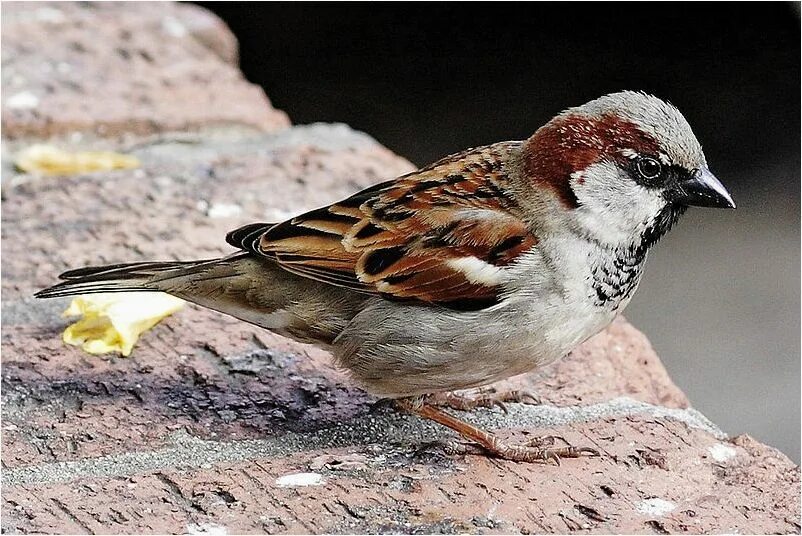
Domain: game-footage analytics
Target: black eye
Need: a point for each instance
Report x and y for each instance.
(649, 168)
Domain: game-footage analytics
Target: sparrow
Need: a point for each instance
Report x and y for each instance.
(486, 264)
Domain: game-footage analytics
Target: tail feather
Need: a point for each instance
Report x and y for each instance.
(136, 276)
(128, 267)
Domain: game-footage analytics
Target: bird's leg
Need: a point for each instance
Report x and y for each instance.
(485, 399)
(539, 449)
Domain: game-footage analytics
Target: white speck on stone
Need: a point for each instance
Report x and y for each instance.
(655, 506)
(299, 479)
(223, 210)
(721, 452)
(10, 427)
(24, 100)
(173, 27)
(50, 14)
(492, 511)
(163, 181)
(206, 528)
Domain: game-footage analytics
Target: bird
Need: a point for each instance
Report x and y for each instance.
(486, 264)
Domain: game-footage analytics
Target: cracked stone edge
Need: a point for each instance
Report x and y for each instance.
(188, 452)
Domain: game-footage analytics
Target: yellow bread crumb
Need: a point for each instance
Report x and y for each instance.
(49, 160)
(113, 322)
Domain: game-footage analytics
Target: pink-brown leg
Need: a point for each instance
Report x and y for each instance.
(534, 451)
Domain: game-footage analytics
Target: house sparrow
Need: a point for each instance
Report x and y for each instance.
(486, 264)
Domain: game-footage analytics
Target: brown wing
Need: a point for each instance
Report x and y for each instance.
(442, 234)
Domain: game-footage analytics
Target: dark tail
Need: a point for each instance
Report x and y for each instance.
(135, 276)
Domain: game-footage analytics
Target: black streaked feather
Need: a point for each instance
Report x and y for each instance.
(243, 237)
(369, 230)
(379, 260)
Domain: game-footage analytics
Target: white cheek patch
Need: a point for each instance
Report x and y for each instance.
(477, 271)
(612, 204)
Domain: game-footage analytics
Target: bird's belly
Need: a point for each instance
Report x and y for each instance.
(438, 350)
(524, 341)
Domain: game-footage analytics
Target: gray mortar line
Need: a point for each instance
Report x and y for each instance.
(171, 148)
(190, 452)
(324, 136)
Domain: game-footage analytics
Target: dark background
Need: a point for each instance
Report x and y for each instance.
(720, 300)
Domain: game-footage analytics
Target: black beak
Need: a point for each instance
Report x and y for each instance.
(703, 189)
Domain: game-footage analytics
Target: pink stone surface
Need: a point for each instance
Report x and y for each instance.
(111, 69)
(204, 426)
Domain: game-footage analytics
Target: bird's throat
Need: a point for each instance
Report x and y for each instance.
(617, 274)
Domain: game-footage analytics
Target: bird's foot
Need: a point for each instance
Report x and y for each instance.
(485, 399)
(540, 449)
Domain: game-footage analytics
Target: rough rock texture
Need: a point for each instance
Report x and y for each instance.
(135, 67)
(215, 425)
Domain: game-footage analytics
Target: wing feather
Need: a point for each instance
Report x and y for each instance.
(444, 234)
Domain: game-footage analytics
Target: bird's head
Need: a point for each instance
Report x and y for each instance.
(624, 166)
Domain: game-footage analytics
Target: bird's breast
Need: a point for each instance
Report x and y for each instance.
(614, 280)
